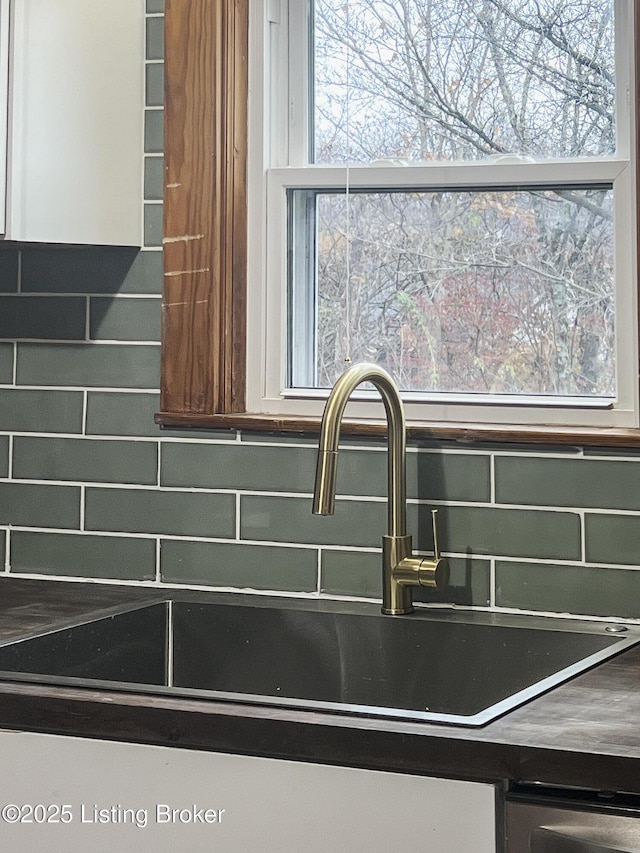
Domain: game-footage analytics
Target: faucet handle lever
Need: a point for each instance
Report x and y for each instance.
(407, 571)
(434, 523)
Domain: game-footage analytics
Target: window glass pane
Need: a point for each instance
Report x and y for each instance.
(426, 80)
(492, 292)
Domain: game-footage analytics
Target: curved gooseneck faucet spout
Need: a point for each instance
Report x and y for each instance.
(329, 437)
(400, 571)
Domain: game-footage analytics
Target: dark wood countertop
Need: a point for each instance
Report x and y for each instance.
(584, 733)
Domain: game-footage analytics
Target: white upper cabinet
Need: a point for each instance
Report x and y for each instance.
(73, 71)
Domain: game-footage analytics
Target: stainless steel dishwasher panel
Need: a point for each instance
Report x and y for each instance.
(573, 822)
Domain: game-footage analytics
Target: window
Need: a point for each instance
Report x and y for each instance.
(447, 189)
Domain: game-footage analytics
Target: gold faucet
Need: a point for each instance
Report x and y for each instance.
(400, 570)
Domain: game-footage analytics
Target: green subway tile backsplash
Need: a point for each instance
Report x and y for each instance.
(429, 475)
(357, 573)
(35, 410)
(4, 455)
(89, 365)
(85, 460)
(155, 37)
(152, 225)
(83, 555)
(98, 269)
(578, 590)
(145, 274)
(568, 482)
(6, 363)
(514, 533)
(47, 317)
(469, 585)
(8, 271)
(156, 512)
(351, 573)
(292, 469)
(35, 505)
(236, 466)
(278, 519)
(199, 434)
(153, 178)
(239, 565)
(121, 413)
(360, 472)
(125, 319)
(612, 539)
(154, 84)
(153, 132)
(451, 477)
(251, 436)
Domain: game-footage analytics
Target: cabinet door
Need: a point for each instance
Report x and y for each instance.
(64, 794)
(75, 121)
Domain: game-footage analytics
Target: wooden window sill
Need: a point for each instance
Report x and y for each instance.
(416, 430)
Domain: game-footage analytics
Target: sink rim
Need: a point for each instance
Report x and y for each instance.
(619, 643)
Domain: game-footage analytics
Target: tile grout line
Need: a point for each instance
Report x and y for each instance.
(85, 413)
(170, 645)
(7, 550)
(104, 436)
(49, 294)
(83, 490)
(583, 535)
(302, 546)
(492, 583)
(107, 389)
(87, 318)
(83, 342)
(492, 479)
(284, 494)
(158, 565)
(79, 436)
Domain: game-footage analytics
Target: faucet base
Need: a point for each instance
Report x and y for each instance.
(397, 597)
(401, 611)
(401, 573)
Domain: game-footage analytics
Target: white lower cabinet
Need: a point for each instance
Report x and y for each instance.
(63, 795)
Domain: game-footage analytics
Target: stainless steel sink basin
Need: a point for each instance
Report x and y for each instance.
(432, 666)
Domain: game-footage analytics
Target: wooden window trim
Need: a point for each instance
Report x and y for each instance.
(205, 243)
(205, 211)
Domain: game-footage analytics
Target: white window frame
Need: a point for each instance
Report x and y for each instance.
(277, 151)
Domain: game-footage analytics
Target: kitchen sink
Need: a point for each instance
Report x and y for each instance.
(437, 666)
